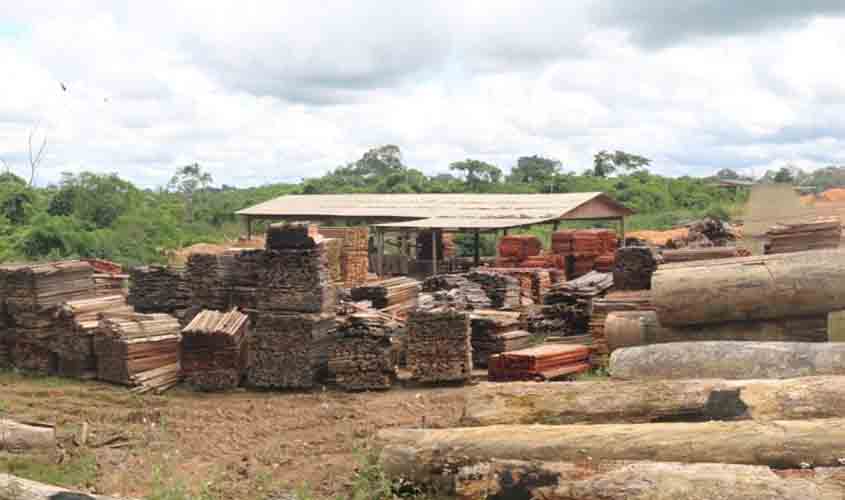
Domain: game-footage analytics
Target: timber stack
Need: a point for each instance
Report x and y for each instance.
(817, 234)
(361, 359)
(634, 267)
(709, 232)
(494, 332)
(504, 291)
(294, 320)
(77, 322)
(138, 350)
(400, 291)
(515, 249)
(242, 269)
(455, 290)
(540, 363)
(34, 294)
(159, 289)
(439, 348)
(534, 282)
(206, 279)
(632, 300)
(354, 255)
(568, 305)
(214, 350)
(334, 255)
(692, 254)
(109, 278)
(582, 249)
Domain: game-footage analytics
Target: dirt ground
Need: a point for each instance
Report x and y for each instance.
(234, 445)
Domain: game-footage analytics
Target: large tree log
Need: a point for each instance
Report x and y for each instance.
(750, 288)
(631, 328)
(15, 488)
(645, 401)
(731, 360)
(423, 454)
(18, 437)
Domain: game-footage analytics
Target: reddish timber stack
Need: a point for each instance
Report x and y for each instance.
(581, 249)
(214, 350)
(605, 263)
(544, 362)
(518, 247)
(439, 348)
(494, 332)
(354, 256)
(362, 357)
(109, 278)
(76, 326)
(334, 256)
(616, 301)
(138, 350)
(817, 234)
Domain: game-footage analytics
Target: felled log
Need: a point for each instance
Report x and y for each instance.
(632, 328)
(750, 288)
(511, 479)
(422, 454)
(732, 360)
(19, 437)
(645, 401)
(16, 488)
(692, 254)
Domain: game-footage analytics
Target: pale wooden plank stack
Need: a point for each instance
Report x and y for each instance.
(214, 350)
(390, 292)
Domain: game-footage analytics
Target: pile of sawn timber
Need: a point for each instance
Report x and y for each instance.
(567, 306)
(801, 236)
(214, 349)
(539, 363)
(401, 291)
(504, 291)
(205, 275)
(438, 347)
(138, 350)
(159, 289)
(456, 291)
(632, 300)
(77, 322)
(354, 252)
(494, 332)
(361, 357)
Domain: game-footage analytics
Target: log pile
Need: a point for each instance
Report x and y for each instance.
(158, 289)
(361, 358)
(809, 235)
(214, 350)
(504, 291)
(710, 232)
(206, 279)
(636, 300)
(439, 348)
(138, 350)
(692, 254)
(494, 332)
(634, 267)
(390, 292)
(543, 362)
(567, 306)
(77, 323)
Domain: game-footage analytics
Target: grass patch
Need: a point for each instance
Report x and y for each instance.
(15, 376)
(79, 471)
(597, 373)
(166, 489)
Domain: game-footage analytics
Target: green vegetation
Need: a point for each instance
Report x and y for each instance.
(75, 471)
(105, 216)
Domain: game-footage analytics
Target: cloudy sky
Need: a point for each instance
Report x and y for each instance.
(275, 91)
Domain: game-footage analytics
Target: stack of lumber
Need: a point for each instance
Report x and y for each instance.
(206, 279)
(494, 332)
(292, 236)
(138, 350)
(456, 291)
(635, 300)
(605, 263)
(504, 291)
(34, 293)
(354, 252)
(808, 235)
(634, 267)
(439, 348)
(692, 254)
(567, 306)
(389, 292)
(361, 358)
(544, 362)
(242, 271)
(519, 247)
(289, 351)
(158, 289)
(573, 242)
(214, 350)
(111, 283)
(76, 326)
(334, 256)
(534, 283)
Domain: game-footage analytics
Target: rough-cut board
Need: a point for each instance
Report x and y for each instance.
(732, 360)
(750, 288)
(425, 453)
(16, 488)
(645, 401)
(543, 362)
(25, 437)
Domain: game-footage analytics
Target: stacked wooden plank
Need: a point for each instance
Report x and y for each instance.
(334, 256)
(568, 305)
(575, 241)
(504, 291)
(605, 263)
(295, 280)
(447, 248)
(292, 236)
(111, 283)
(456, 291)
(817, 234)
(75, 330)
(516, 248)
(616, 301)
(34, 293)
(158, 289)
(206, 278)
(389, 292)
(354, 252)
(242, 271)
(634, 267)
(534, 283)
(214, 350)
(439, 348)
(692, 254)
(138, 350)
(494, 332)
(544, 362)
(362, 358)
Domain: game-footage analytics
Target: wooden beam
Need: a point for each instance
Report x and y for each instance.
(622, 231)
(248, 227)
(405, 254)
(380, 250)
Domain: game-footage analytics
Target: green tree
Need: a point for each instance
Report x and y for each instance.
(188, 181)
(784, 175)
(477, 174)
(606, 163)
(95, 198)
(534, 170)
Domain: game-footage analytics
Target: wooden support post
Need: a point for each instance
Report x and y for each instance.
(434, 252)
(477, 249)
(249, 227)
(380, 250)
(505, 232)
(556, 225)
(405, 257)
(622, 231)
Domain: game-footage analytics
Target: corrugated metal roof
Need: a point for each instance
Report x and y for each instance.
(498, 210)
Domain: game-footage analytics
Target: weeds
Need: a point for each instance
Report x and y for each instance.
(80, 470)
(598, 373)
(175, 490)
